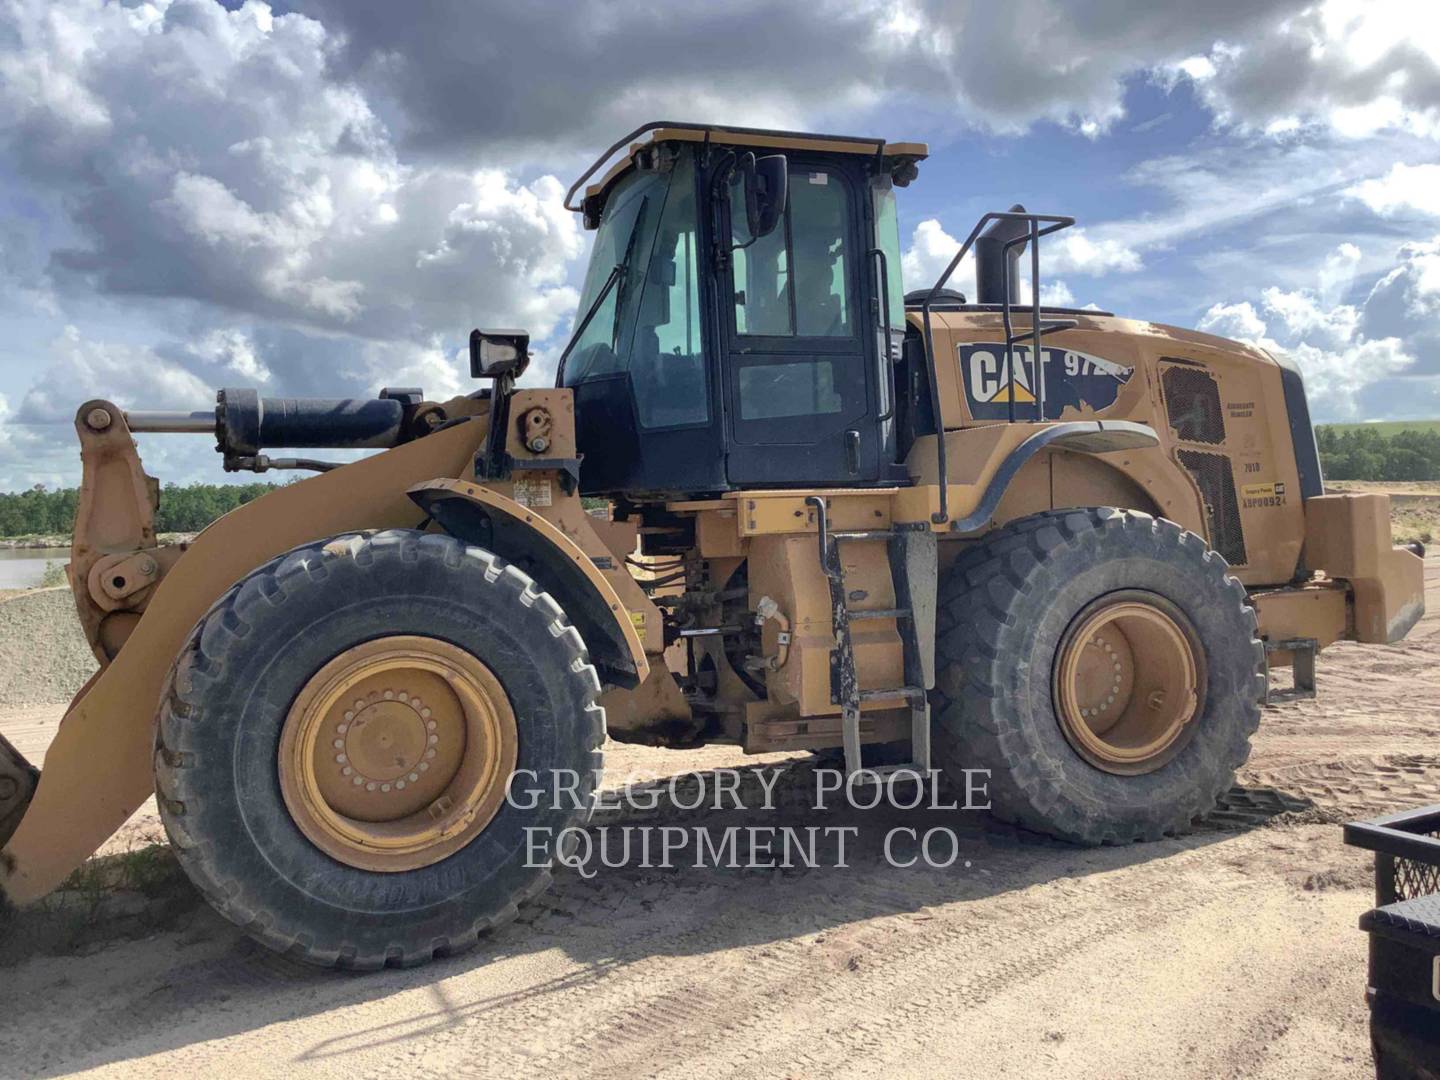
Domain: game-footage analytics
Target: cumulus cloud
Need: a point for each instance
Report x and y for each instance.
(1412, 188)
(1327, 339)
(930, 251)
(323, 199)
(247, 178)
(1070, 252)
(1075, 252)
(1355, 67)
(127, 374)
(1240, 322)
(755, 62)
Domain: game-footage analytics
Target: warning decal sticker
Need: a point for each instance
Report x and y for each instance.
(532, 491)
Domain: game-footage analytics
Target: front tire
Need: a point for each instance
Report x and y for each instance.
(338, 737)
(1104, 665)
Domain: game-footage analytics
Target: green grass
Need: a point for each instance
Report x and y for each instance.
(1388, 427)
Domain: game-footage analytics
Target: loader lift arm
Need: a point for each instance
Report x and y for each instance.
(99, 769)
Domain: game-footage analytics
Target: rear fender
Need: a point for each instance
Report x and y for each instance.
(1091, 437)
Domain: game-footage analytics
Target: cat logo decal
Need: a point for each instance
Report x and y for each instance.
(1073, 380)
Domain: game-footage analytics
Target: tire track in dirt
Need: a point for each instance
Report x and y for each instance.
(736, 1006)
(1352, 786)
(954, 968)
(1359, 785)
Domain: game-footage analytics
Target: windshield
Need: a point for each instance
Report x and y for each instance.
(640, 312)
(615, 264)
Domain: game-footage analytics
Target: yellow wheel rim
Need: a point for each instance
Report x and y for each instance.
(1129, 682)
(396, 753)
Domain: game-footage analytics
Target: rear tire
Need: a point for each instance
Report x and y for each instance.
(229, 713)
(1005, 609)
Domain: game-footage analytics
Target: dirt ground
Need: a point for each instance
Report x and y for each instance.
(1230, 952)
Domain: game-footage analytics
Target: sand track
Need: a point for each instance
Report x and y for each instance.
(1229, 952)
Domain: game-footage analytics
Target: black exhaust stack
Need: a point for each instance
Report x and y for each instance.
(997, 271)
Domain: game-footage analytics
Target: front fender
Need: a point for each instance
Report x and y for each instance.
(482, 516)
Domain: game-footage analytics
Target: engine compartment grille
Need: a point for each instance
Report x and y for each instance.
(1192, 402)
(1216, 481)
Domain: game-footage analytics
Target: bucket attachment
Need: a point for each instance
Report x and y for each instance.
(17, 783)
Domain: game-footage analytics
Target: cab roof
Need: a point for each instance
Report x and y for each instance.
(659, 131)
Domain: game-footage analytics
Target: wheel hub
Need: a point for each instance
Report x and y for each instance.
(396, 753)
(1129, 679)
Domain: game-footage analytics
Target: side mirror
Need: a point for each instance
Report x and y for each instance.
(767, 189)
(495, 354)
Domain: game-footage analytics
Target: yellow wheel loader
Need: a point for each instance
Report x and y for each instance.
(925, 530)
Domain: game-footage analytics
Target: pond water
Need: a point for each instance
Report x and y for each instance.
(23, 567)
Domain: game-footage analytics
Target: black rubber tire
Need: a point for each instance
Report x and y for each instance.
(227, 698)
(1003, 608)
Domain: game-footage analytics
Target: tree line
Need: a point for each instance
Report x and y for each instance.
(43, 512)
(1367, 453)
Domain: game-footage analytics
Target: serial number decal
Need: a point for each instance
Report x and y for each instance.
(532, 491)
(1073, 380)
(1261, 495)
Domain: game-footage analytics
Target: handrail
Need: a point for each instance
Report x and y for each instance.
(877, 258)
(1056, 223)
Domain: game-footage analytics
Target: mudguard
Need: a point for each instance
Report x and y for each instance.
(484, 517)
(1082, 436)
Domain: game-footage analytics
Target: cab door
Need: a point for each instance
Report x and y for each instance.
(795, 339)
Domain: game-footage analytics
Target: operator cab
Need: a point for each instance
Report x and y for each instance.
(740, 313)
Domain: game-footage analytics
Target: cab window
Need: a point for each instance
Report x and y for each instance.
(667, 365)
(792, 283)
(622, 248)
(887, 239)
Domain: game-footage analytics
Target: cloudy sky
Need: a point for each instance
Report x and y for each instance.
(322, 197)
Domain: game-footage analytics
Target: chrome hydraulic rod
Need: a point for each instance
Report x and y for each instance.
(149, 421)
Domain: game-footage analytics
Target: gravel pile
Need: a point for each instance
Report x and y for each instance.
(44, 659)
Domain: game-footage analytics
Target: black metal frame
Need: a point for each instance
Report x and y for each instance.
(1408, 835)
(1051, 223)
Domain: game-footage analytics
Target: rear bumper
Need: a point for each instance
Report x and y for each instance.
(1348, 537)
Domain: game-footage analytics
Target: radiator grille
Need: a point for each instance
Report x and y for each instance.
(1217, 485)
(1192, 400)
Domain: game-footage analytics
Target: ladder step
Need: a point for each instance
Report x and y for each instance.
(864, 534)
(879, 613)
(914, 693)
(881, 771)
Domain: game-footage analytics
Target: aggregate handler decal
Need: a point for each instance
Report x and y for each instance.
(1073, 380)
